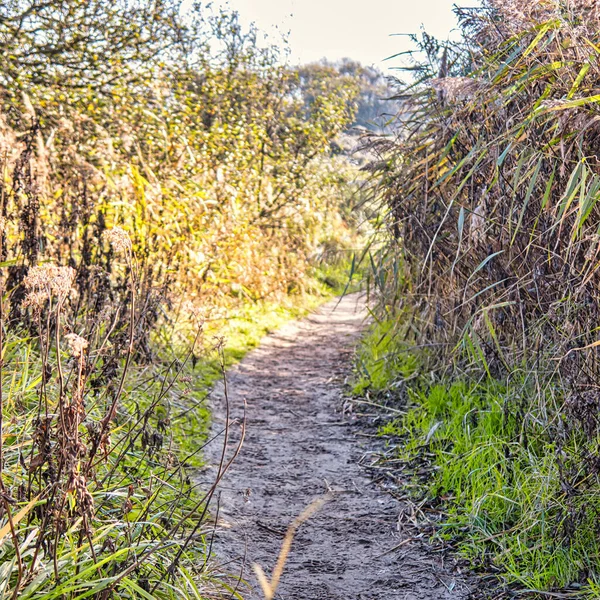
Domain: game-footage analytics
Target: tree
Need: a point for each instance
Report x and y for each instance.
(80, 43)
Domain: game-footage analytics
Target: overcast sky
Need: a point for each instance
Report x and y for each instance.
(364, 30)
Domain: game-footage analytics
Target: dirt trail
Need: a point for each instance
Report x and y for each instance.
(298, 447)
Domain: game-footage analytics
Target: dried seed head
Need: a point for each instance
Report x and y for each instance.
(85, 500)
(119, 239)
(38, 278)
(62, 281)
(521, 14)
(477, 232)
(35, 300)
(455, 88)
(44, 280)
(77, 344)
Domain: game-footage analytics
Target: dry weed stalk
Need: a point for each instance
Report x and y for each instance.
(72, 474)
(269, 587)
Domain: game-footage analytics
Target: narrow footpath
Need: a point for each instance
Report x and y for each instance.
(298, 447)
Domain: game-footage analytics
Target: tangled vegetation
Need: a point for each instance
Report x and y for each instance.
(487, 278)
(215, 161)
(164, 180)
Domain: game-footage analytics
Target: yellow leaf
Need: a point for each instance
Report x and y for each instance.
(23, 512)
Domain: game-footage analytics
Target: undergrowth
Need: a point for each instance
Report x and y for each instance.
(485, 199)
(170, 192)
(493, 466)
(96, 500)
(97, 494)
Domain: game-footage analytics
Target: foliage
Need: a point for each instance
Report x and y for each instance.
(381, 361)
(487, 257)
(76, 44)
(217, 165)
(481, 454)
(373, 107)
(506, 494)
(490, 186)
(165, 181)
(95, 497)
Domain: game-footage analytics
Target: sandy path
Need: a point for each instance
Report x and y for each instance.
(298, 446)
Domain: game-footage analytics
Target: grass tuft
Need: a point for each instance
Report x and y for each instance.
(496, 475)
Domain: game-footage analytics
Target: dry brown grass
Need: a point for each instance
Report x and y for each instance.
(269, 586)
(491, 190)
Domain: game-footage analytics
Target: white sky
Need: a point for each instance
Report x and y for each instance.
(359, 29)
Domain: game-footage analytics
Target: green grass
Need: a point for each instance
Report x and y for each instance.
(381, 360)
(140, 492)
(495, 470)
(337, 278)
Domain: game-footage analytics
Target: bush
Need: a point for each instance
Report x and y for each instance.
(486, 256)
(160, 170)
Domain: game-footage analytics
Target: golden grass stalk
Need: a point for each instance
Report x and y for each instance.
(270, 587)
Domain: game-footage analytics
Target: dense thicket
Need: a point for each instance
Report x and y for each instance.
(492, 183)
(154, 162)
(184, 130)
(489, 197)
